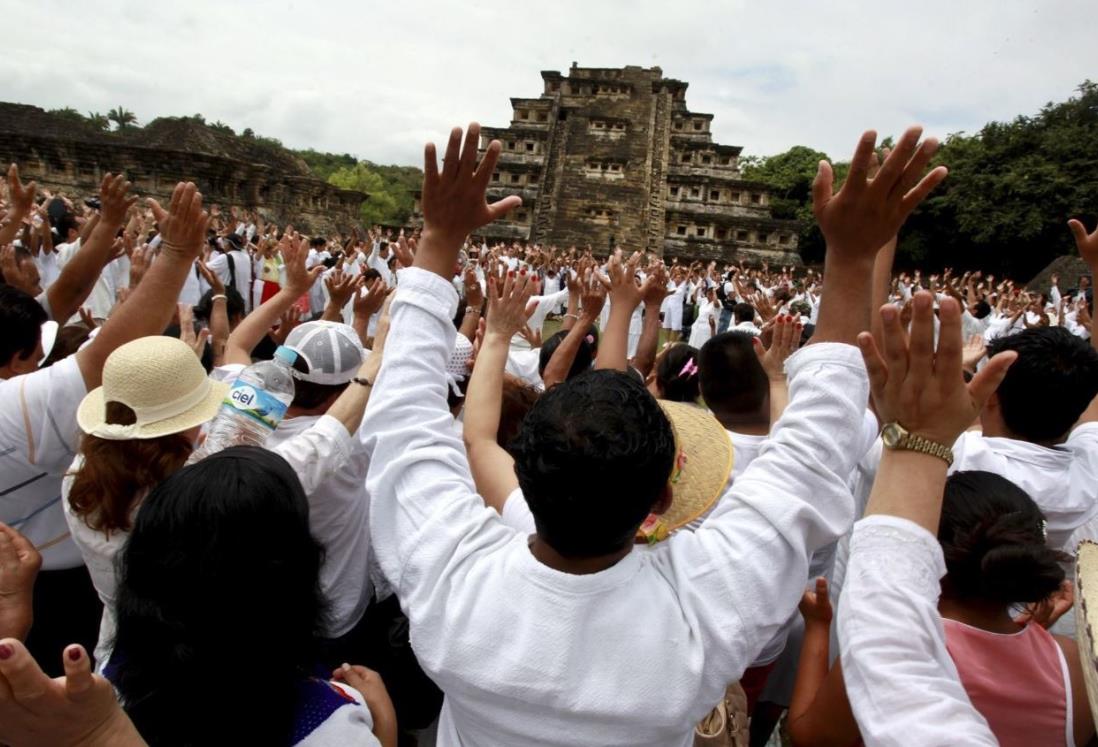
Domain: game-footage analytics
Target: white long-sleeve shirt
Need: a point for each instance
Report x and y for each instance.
(632, 655)
(902, 684)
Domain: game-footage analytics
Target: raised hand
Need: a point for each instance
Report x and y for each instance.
(815, 605)
(405, 250)
(340, 286)
(453, 201)
(114, 199)
(367, 303)
(1087, 243)
(20, 196)
(866, 212)
(474, 294)
(77, 709)
(287, 321)
(973, 353)
(183, 226)
(294, 254)
(622, 284)
(19, 564)
(654, 289)
(592, 295)
(196, 342)
(919, 388)
(785, 339)
(507, 314)
(13, 273)
(212, 279)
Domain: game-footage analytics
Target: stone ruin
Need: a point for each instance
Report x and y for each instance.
(70, 156)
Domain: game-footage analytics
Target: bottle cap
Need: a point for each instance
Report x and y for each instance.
(286, 355)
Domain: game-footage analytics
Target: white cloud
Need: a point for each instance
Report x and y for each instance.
(376, 79)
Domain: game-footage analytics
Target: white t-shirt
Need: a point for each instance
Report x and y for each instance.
(242, 265)
(339, 514)
(38, 440)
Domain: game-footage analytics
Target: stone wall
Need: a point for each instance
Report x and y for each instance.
(67, 157)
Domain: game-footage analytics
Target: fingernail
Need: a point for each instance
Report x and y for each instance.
(345, 667)
(74, 653)
(6, 651)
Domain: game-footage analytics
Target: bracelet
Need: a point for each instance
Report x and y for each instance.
(571, 316)
(219, 297)
(362, 381)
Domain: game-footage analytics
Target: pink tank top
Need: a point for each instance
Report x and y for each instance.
(1018, 682)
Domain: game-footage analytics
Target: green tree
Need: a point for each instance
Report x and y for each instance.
(122, 117)
(99, 121)
(789, 177)
(68, 113)
(220, 126)
(381, 207)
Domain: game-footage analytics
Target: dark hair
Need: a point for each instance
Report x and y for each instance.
(585, 355)
(677, 373)
(518, 398)
(309, 395)
(21, 318)
(203, 596)
(993, 538)
(743, 312)
(1049, 386)
(318, 241)
(66, 223)
(234, 304)
(68, 341)
(592, 457)
(983, 308)
(371, 274)
(733, 381)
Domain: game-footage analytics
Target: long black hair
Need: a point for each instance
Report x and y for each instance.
(218, 604)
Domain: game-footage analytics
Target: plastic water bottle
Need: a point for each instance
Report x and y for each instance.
(254, 406)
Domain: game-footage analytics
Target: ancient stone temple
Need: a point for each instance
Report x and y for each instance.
(609, 156)
(69, 156)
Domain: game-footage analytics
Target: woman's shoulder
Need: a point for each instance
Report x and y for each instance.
(331, 713)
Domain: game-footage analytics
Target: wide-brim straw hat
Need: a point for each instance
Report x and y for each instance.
(702, 465)
(1086, 617)
(162, 381)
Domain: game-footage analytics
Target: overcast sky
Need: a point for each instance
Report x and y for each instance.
(378, 79)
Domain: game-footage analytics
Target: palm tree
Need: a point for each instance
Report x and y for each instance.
(98, 120)
(122, 117)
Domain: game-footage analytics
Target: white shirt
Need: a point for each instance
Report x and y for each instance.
(700, 331)
(381, 264)
(337, 717)
(339, 513)
(242, 265)
(745, 327)
(38, 440)
(635, 654)
(901, 682)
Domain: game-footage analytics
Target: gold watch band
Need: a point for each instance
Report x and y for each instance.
(915, 442)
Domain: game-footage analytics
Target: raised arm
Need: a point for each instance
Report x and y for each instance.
(426, 518)
(795, 492)
(20, 203)
(151, 306)
(785, 341)
(493, 468)
(890, 632)
(625, 296)
(298, 282)
(655, 290)
(1087, 244)
(593, 298)
(79, 275)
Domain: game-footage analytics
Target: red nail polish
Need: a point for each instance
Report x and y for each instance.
(6, 651)
(74, 654)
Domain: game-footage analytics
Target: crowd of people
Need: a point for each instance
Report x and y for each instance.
(528, 495)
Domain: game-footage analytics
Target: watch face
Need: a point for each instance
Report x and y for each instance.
(891, 435)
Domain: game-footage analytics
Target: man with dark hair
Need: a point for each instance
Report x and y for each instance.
(743, 319)
(570, 636)
(21, 318)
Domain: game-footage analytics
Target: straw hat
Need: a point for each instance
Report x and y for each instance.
(162, 381)
(702, 466)
(1086, 622)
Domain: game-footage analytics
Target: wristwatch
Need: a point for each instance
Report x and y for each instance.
(895, 436)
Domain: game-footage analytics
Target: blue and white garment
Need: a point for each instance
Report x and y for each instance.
(331, 714)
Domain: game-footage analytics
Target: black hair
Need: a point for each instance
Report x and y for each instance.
(66, 223)
(743, 312)
(585, 355)
(21, 318)
(309, 395)
(677, 373)
(371, 274)
(593, 456)
(1049, 386)
(318, 241)
(234, 304)
(204, 596)
(983, 308)
(733, 381)
(993, 538)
